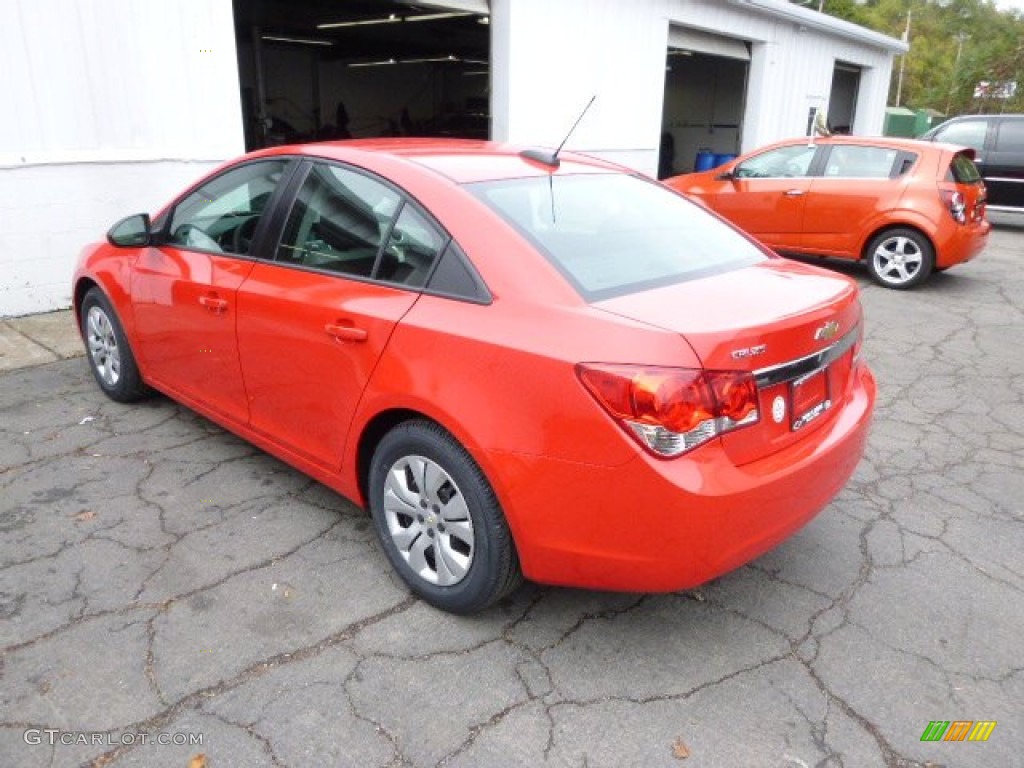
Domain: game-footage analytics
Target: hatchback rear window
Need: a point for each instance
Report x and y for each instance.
(963, 170)
(612, 234)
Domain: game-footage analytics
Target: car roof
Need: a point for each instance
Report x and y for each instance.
(889, 142)
(461, 160)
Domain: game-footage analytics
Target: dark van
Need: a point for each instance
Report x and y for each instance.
(999, 143)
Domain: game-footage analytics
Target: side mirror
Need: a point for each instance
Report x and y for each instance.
(726, 176)
(131, 232)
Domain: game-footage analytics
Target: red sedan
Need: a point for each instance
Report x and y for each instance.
(523, 365)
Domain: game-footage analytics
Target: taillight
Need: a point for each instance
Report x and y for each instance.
(672, 410)
(956, 204)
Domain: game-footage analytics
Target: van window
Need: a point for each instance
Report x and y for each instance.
(970, 133)
(1011, 136)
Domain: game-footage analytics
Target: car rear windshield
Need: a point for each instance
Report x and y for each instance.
(612, 234)
(963, 170)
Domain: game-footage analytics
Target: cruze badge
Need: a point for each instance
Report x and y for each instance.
(759, 349)
(827, 331)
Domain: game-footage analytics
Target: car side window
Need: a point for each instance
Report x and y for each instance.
(412, 249)
(969, 133)
(782, 162)
(860, 162)
(339, 221)
(221, 216)
(1011, 136)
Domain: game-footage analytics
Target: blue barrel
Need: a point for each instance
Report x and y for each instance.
(723, 159)
(705, 160)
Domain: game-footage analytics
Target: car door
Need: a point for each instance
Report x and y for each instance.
(765, 194)
(183, 290)
(1004, 165)
(351, 260)
(858, 184)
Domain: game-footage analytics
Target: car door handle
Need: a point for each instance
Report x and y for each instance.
(793, 192)
(212, 302)
(345, 332)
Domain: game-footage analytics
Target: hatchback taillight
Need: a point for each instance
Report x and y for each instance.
(672, 410)
(956, 204)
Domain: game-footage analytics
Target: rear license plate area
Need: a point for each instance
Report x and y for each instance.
(808, 398)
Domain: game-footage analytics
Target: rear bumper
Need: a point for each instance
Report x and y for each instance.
(960, 243)
(653, 526)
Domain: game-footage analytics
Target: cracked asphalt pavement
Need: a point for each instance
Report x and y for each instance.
(160, 578)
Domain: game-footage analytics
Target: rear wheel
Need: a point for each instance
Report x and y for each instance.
(439, 521)
(900, 258)
(110, 357)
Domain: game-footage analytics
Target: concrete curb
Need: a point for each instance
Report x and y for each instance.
(38, 339)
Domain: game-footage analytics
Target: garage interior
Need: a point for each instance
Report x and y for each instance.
(705, 97)
(322, 69)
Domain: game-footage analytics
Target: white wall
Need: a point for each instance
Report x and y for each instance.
(110, 107)
(548, 59)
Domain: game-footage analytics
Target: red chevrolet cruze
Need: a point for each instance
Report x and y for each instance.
(522, 364)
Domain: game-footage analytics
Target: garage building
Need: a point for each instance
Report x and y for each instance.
(113, 105)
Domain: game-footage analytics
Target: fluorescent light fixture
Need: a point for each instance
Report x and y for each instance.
(391, 19)
(425, 61)
(437, 16)
(300, 40)
(383, 63)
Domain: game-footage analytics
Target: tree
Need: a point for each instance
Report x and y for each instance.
(955, 47)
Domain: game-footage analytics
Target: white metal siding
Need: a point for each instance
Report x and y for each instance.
(111, 106)
(549, 58)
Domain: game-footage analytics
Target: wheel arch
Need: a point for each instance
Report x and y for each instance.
(82, 287)
(369, 438)
(905, 224)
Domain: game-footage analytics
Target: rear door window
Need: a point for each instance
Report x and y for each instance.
(1011, 136)
(860, 162)
(339, 221)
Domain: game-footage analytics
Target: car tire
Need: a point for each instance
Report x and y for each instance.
(107, 349)
(439, 521)
(900, 258)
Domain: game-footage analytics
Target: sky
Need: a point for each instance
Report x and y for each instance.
(1010, 5)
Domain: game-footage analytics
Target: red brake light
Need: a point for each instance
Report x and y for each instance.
(672, 410)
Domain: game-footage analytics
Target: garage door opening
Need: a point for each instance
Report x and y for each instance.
(705, 97)
(842, 100)
(315, 69)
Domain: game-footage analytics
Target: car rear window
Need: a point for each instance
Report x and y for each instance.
(612, 234)
(963, 170)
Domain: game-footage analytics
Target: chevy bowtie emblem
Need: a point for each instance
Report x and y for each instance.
(827, 331)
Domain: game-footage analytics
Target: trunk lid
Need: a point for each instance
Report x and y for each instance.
(793, 325)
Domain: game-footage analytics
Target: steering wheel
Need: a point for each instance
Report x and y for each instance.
(241, 238)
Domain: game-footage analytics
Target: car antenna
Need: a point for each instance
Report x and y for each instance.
(550, 159)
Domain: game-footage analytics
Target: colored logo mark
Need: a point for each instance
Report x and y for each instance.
(958, 730)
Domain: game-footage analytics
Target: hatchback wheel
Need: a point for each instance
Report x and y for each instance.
(439, 520)
(110, 357)
(900, 258)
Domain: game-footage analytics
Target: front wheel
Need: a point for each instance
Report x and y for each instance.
(439, 521)
(110, 357)
(900, 258)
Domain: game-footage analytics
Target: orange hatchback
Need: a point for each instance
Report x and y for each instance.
(904, 207)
